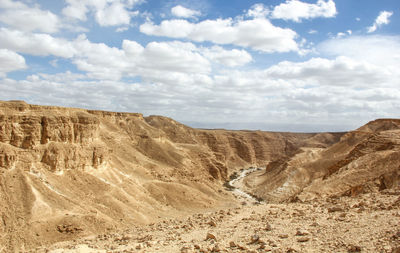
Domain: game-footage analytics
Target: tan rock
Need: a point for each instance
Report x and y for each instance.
(212, 223)
(302, 232)
(353, 248)
(210, 236)
(303, 239)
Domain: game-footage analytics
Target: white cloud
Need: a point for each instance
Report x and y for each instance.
(296, 10)
(114, 14)
(319, 89)
(10, 61)
(99, 60)
(382, 50)
(342, 71)
(76, 9)
(191, 83)
(103, 62)
(340, 34)
(106, 13)
(174, 57)
(132, 48)
(182, 12)
(122, 29)
(35, 43)
(312, 31)
(155, 61)
(230, 58)
(382, 19)
(258, 34)
(258, 11)
(18, 15)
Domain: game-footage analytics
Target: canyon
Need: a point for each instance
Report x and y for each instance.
(70, 175)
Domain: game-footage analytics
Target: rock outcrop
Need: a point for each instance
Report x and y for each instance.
(364, 160)
(67, 172)
(96, 170)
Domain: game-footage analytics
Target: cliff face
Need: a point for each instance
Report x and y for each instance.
(364, 160)
(68, 172)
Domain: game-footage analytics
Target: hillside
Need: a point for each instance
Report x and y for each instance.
(362, 161)
(68, 172)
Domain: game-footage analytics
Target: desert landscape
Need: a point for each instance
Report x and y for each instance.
(77, 180)
(199, 126)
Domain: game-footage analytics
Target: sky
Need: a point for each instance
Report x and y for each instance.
(277, 65)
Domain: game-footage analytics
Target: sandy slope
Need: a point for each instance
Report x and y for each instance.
(369, 223)
(361, 161)
(68, 173)
(96, 171)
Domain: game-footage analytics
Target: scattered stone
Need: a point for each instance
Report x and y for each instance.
(387, 248)
(68, 229)
(216, 248)
(254, 239)
(353, 248)
(303, 239)
(335, 209)
(283, 236)
(145, 238)
(302, 232)
(210, 237)
(232, 244)
(185, 249)
(396, 235)
(396, 250)
(241, 247)
(272, 243)
(341, 219)
(212, 223)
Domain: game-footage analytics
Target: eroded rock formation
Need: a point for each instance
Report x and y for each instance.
(66, 173)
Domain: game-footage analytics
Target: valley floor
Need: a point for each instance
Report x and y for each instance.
(367, 223)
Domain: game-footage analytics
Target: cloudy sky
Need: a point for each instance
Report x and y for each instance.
(283, 65)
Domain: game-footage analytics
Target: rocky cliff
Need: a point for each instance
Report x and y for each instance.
(364, 160)
(68, 172)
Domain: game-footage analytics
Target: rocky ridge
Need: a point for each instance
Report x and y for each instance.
(85, 171)
(68, 173)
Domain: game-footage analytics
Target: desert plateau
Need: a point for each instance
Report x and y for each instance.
(77, 180)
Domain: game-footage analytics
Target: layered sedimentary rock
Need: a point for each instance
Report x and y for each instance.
(92, 171)
(66, 172)
(364, 160)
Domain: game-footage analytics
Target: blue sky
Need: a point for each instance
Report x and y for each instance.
(282, 65)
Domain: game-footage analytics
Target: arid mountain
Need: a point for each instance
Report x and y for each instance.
(364, 160)
(67, 173)
(96, 170)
